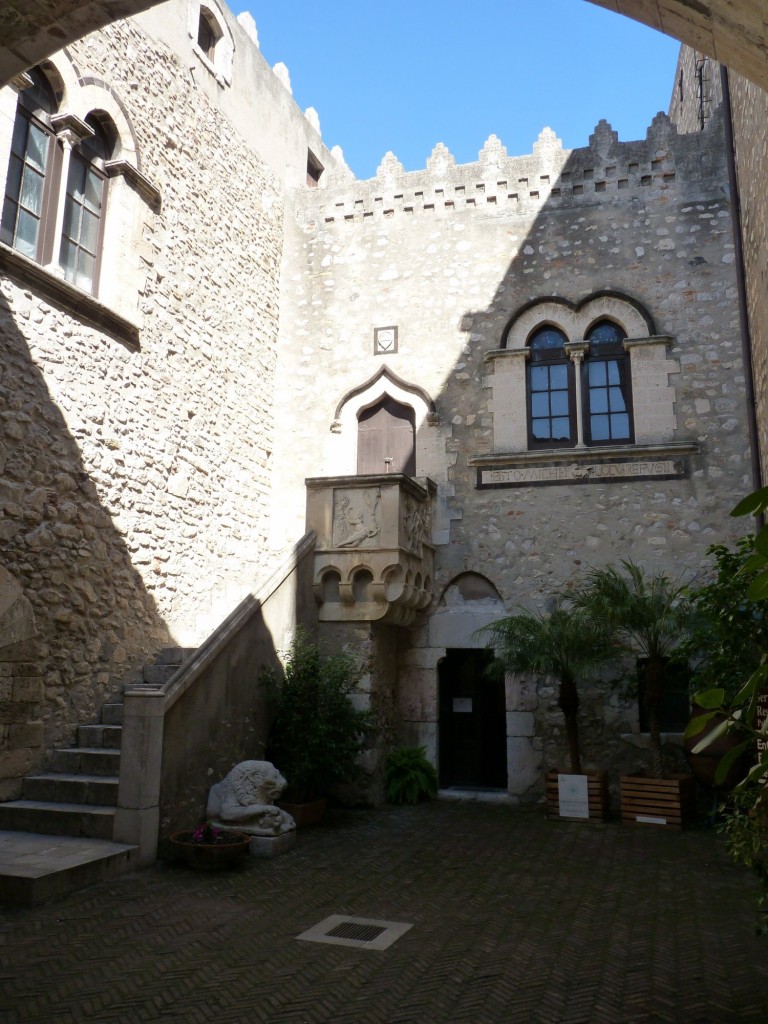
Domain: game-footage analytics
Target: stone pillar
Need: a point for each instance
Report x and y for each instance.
(374, 647)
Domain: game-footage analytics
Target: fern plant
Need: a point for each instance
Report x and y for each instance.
(409, 777)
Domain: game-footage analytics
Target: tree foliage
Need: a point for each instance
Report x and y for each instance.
(647, 617)
(566, 644)
(317, 733)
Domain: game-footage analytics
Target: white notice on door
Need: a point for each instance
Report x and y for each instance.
(463, 705)
(573, 796)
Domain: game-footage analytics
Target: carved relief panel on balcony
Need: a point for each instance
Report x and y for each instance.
(356, 517)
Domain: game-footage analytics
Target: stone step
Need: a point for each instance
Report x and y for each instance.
(88, 760)
(157, 675)
(59, 787)
(174, 655)
(112, 714)
(35, 868)
(108, 736)
(93, 822)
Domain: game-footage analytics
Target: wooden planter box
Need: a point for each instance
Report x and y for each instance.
(306, 814)
(597, 792)
(668, 803)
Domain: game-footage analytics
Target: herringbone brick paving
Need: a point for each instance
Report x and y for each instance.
(517, 920)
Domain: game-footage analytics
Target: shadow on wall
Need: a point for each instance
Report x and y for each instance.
(96, 623)
(632, 234)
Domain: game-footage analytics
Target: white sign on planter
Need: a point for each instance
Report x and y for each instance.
(573, 796)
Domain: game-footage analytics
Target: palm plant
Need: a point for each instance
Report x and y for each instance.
(647, 617)
(565, 644)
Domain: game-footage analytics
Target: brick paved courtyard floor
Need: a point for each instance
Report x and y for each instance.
(515, 919)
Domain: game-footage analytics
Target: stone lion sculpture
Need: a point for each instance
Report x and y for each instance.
(244, 800)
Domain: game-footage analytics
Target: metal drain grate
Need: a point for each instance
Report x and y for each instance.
(360, 932)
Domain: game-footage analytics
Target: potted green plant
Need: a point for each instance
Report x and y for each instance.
(648, 618)
(317, 733)
(724, 646)
(565, 644)
(409, 777)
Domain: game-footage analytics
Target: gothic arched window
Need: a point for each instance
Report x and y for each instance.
(550, 390)
(29, 203)
(606, 382)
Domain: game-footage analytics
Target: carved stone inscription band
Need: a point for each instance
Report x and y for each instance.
(526, 476)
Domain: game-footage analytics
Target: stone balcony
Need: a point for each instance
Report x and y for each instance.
(373, 554)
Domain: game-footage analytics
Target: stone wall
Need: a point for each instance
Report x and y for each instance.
(134, 483)
(451, 255)
(750, 109)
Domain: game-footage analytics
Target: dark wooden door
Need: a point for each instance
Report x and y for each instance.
(473, 724)
(386, 438)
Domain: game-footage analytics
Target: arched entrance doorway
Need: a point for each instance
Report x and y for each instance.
(386, 437)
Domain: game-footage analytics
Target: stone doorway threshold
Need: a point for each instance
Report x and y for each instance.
(479, 795)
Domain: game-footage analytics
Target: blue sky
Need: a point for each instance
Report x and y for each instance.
(403, 76)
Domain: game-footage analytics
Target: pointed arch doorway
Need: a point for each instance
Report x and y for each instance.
(386, 438)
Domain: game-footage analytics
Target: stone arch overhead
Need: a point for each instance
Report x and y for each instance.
(32, 32)
(383, 382)
(735, 32)
(575, 319)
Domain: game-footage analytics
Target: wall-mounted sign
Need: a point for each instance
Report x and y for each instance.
(573, 796)
(761, 718)
(462, 705)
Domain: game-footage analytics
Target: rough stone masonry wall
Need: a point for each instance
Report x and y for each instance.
(449, 255)
(133, 485)
(749, 106)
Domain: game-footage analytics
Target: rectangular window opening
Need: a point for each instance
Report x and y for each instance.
(314, 170)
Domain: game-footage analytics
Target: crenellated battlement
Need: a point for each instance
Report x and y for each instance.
(549, 174)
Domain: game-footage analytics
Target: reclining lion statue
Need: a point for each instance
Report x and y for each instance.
(244, 800)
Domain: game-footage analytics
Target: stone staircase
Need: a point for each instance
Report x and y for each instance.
(58, 836)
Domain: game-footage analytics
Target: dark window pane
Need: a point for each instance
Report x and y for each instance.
(620, 425)
(85, 268)
(13, 183)
(540, 403)
(93, 191)
(596, 373)
(559, 403)
(37, 147)
(540, 430)
(561, 429)
(614, 374)
(547, 338)
(539, 378)
(606, 332)
(598, 400)
(617, 400)
(20, 129)
(558, 377)
(600, 428)
(89, 230)
(68, 259)
(26, 234)
(31, 197)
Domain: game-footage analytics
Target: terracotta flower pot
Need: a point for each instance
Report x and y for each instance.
(222, 854)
